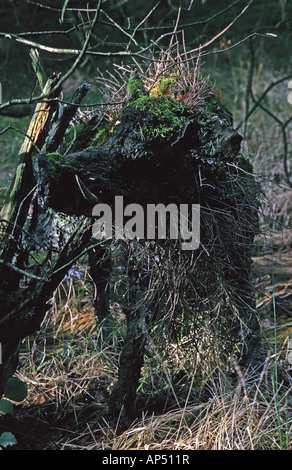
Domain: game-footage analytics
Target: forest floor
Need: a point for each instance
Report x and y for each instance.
(70, 371)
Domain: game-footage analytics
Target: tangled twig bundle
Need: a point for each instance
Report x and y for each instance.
(169, 139)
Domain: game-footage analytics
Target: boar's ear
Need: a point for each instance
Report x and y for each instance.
(88, 195)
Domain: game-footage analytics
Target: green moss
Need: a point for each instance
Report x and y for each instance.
(169, 116)
(136, 87)
(54, 156)
(158, 115)
(77, 138)
(166, 82)
(57, 163)
(101, 136)
(54, 161)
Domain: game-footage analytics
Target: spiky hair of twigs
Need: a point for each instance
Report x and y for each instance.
(172, 74)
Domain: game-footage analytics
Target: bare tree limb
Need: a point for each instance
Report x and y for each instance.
(21, 271)
(258, 103)
(77, 62)
(264, 94)
(217, 36)
(149, 28)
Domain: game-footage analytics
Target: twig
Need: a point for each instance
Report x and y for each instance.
(120, 28)
(66, 32)
(259, 100)
(283, 125)
(217, 36)
(21, 271)
(10, 127)
(80, 55)
(28, 234)
(143, 21)
(149, 28)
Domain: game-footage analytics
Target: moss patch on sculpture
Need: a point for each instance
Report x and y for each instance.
(57, 164)
(77, 138)
(168, 116)
(54, 161)
(161, 113)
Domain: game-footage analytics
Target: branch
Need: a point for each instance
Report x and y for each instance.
(21, 271)
(149, 28)
(36, 45)
(80, 55)
(259, 100)
(66, 32)
(10, 127)
(283, 125)
(38, 68)
(223, 30)
(126, 53)
(121, 29)
(86, 51)
(67, 113)
(143, 21)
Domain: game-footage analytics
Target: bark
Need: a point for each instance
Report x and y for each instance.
(182, 158)
(100, 271)
(200, 164)
(25, 290)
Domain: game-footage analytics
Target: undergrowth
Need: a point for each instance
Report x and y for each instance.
(71, 369)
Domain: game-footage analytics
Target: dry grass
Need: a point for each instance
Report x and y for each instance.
(241, 419)
(70, 372)
(228, 421)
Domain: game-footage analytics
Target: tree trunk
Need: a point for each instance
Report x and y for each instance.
(26, 290)
(124, 396)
